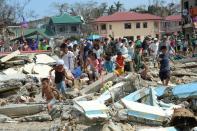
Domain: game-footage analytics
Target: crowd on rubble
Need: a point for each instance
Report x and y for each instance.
(119, 55)
(95, 58)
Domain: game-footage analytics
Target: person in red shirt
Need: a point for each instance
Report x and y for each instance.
(120, 62)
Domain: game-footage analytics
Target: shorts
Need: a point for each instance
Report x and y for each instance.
(61, 87)
(93, 73)
(178, 48)
(164, 75)
(184, 49)
(52, 102)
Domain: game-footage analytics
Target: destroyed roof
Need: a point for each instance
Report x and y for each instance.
(32, 32)
(66, 19)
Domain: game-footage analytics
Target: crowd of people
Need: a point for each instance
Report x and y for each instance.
(25, 45)
(93, 59)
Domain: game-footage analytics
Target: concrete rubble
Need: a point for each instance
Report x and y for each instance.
(125, 103)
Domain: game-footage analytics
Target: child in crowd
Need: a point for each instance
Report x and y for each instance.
(77, 70)
(93, 67)
(164, 72)
(50, 93)
(108, 64)
(120, 62)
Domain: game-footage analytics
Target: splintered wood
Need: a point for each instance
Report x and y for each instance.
(10, 56)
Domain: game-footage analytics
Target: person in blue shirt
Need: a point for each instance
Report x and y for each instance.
(164, 62)
(109, 65)
(77, 72)
(34, 44)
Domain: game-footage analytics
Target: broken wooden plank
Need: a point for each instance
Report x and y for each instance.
(95, 87)
(187, 65)
(182, 73)
(188, 60)
(10, 56)
(156, 129)
(15, 62)
(36, 118)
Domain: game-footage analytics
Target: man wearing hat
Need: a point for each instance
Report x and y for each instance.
(60, 75)
(154, 49)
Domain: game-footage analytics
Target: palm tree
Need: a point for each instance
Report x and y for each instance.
(111, 10)
(118, 6)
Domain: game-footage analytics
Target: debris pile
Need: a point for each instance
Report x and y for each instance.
(114, 103)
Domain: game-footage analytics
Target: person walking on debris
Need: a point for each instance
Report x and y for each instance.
(154, 50)
(131, 50)
(164, 72)
(60, 75)
(138, 63)
(50, 93)
(145, 46)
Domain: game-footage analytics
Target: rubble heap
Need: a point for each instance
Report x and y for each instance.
(112, 104)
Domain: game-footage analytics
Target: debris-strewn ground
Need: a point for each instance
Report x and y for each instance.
(20, 85)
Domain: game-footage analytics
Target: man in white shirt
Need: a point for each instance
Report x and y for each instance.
(154, 47)
(68, 58)
(123, 50)
(98, 52)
